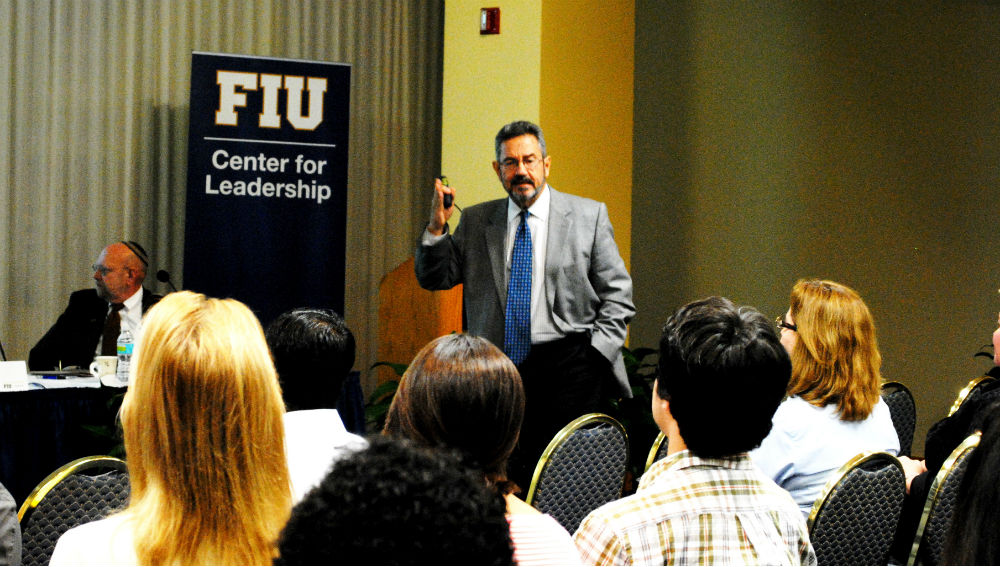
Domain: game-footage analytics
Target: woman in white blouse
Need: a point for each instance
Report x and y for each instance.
(834, 408)
(461, 392)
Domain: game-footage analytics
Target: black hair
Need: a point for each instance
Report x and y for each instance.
(396, 503)
(313, 352)
(971, 539)
(515, 130)
(724, 371)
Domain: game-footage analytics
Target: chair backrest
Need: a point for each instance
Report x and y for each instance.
(939, 508)
(854, 520)
(971, 390)
(903, 410)
(657, 451)
(82, 491)
(582, 468)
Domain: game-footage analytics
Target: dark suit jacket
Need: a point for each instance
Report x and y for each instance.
(73, 338)
(586, 284)
(942, 438)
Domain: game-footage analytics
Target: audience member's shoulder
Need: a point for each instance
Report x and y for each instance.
(789, 415)
(781, 499)
(103, 542)
(794, 409)
(540, 540)
(88, 295)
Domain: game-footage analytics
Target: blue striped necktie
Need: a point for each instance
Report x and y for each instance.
(517, 321)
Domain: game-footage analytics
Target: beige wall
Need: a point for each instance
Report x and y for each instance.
(489, 80)
(857, 142)
(586, 103)
(575, 81)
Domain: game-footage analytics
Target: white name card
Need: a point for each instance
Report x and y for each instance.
(13, 376)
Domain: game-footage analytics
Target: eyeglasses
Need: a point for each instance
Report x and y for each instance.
(104, 270)
(780, 322)
(530, 162)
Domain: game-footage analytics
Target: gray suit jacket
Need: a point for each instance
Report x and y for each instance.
(587, 286)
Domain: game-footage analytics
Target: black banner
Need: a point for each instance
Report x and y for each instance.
(267, 182)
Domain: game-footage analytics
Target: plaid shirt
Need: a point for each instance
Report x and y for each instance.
(693, 511)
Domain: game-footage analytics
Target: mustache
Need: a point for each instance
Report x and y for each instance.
(518, 179)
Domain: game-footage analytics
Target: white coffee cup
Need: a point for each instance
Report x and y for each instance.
(104, 366)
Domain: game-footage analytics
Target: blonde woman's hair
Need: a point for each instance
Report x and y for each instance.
(835, 359)
(204, 437)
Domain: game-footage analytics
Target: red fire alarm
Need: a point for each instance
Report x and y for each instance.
(489, 21)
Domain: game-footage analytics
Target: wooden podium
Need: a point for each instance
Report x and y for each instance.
(409, 317)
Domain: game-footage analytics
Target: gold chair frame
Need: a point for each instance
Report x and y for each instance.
(830, 488)
(657, 443)
(60, 474)
(561, 436)
(967, 391)
(969, 444)
(894, 384)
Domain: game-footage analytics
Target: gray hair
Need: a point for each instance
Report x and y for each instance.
(519, 128)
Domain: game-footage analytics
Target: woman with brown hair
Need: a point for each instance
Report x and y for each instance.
(462, 393)
(202, 421)
(834, 408)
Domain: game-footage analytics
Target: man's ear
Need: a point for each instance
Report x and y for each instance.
(496, 168)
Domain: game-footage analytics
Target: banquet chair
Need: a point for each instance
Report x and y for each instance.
(657, 451)
(82, 491)
(582, 468)
(903, 410)
(971, 390)
(854, 519)
(939, 508)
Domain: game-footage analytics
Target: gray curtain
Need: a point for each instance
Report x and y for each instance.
(95, 115)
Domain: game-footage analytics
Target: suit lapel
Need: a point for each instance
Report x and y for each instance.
(496, 235)
(560, 224)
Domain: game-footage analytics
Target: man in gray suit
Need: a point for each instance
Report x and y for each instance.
(543, 280)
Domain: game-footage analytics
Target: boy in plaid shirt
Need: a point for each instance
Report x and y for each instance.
(722, 374)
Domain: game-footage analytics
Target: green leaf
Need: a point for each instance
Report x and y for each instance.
(387, 388)
(396, 367)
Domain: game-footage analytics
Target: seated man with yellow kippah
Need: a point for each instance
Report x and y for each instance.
(94, 317)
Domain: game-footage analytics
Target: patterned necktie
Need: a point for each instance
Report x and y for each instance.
(517, 322)
(112, 328)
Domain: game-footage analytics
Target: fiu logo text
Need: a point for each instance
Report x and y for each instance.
(232, 95)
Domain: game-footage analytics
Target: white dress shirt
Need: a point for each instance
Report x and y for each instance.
(314, 440)
(543, 326)
(131, 315)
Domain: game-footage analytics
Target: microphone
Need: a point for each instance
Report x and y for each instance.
(164, 276)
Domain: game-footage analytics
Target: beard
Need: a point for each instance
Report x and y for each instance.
(522, 198)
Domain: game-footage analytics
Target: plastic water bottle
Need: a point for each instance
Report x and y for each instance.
(124, 356)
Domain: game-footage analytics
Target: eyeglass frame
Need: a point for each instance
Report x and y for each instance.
(780, 322)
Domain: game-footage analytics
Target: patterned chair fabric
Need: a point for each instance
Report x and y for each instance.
(657, 451)
(939, 509)
(70, 496)
(854, 520)
(582, 468)
(903, 410)
(970, 391)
